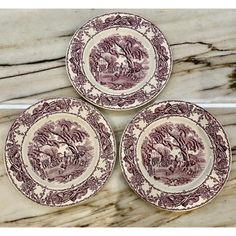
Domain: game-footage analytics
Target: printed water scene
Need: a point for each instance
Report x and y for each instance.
(61, 151)
(119, 62)
(173, 154)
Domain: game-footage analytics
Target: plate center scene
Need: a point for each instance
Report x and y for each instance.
(175, 154)
(119, 60)
(60, 150)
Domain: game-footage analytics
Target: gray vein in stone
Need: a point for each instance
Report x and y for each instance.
(35, 94)
(31, 72)
(33, 62)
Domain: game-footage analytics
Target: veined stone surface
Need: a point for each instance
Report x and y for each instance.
(32, 67)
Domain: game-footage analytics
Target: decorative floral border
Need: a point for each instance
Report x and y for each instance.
(125, 101)
(41, 194)
(187, 200)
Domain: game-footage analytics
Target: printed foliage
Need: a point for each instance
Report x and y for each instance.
(60, 151)
(119, 62)
(173, 154)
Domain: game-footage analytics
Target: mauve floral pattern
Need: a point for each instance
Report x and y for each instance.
(119, 62)
(60, 151)
(75, 193)
(189, 199)
(152, 87)
(173, 154)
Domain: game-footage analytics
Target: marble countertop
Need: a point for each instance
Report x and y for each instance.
(32, 66)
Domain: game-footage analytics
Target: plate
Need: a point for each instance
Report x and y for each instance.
(118, 61)
(60, 152)
(175, 155)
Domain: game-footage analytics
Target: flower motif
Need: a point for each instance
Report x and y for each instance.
(137, 180)
(93, 183)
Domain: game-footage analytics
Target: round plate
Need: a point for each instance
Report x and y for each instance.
(118, 61)
(175, 155)
(60, 151)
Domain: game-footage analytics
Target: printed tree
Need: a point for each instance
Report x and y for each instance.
(44, 152)
(111, 50)
(173, 153)
(177, 136)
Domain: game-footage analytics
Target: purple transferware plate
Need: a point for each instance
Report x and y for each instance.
(175, 155)
(60, 151)
(118, 61)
